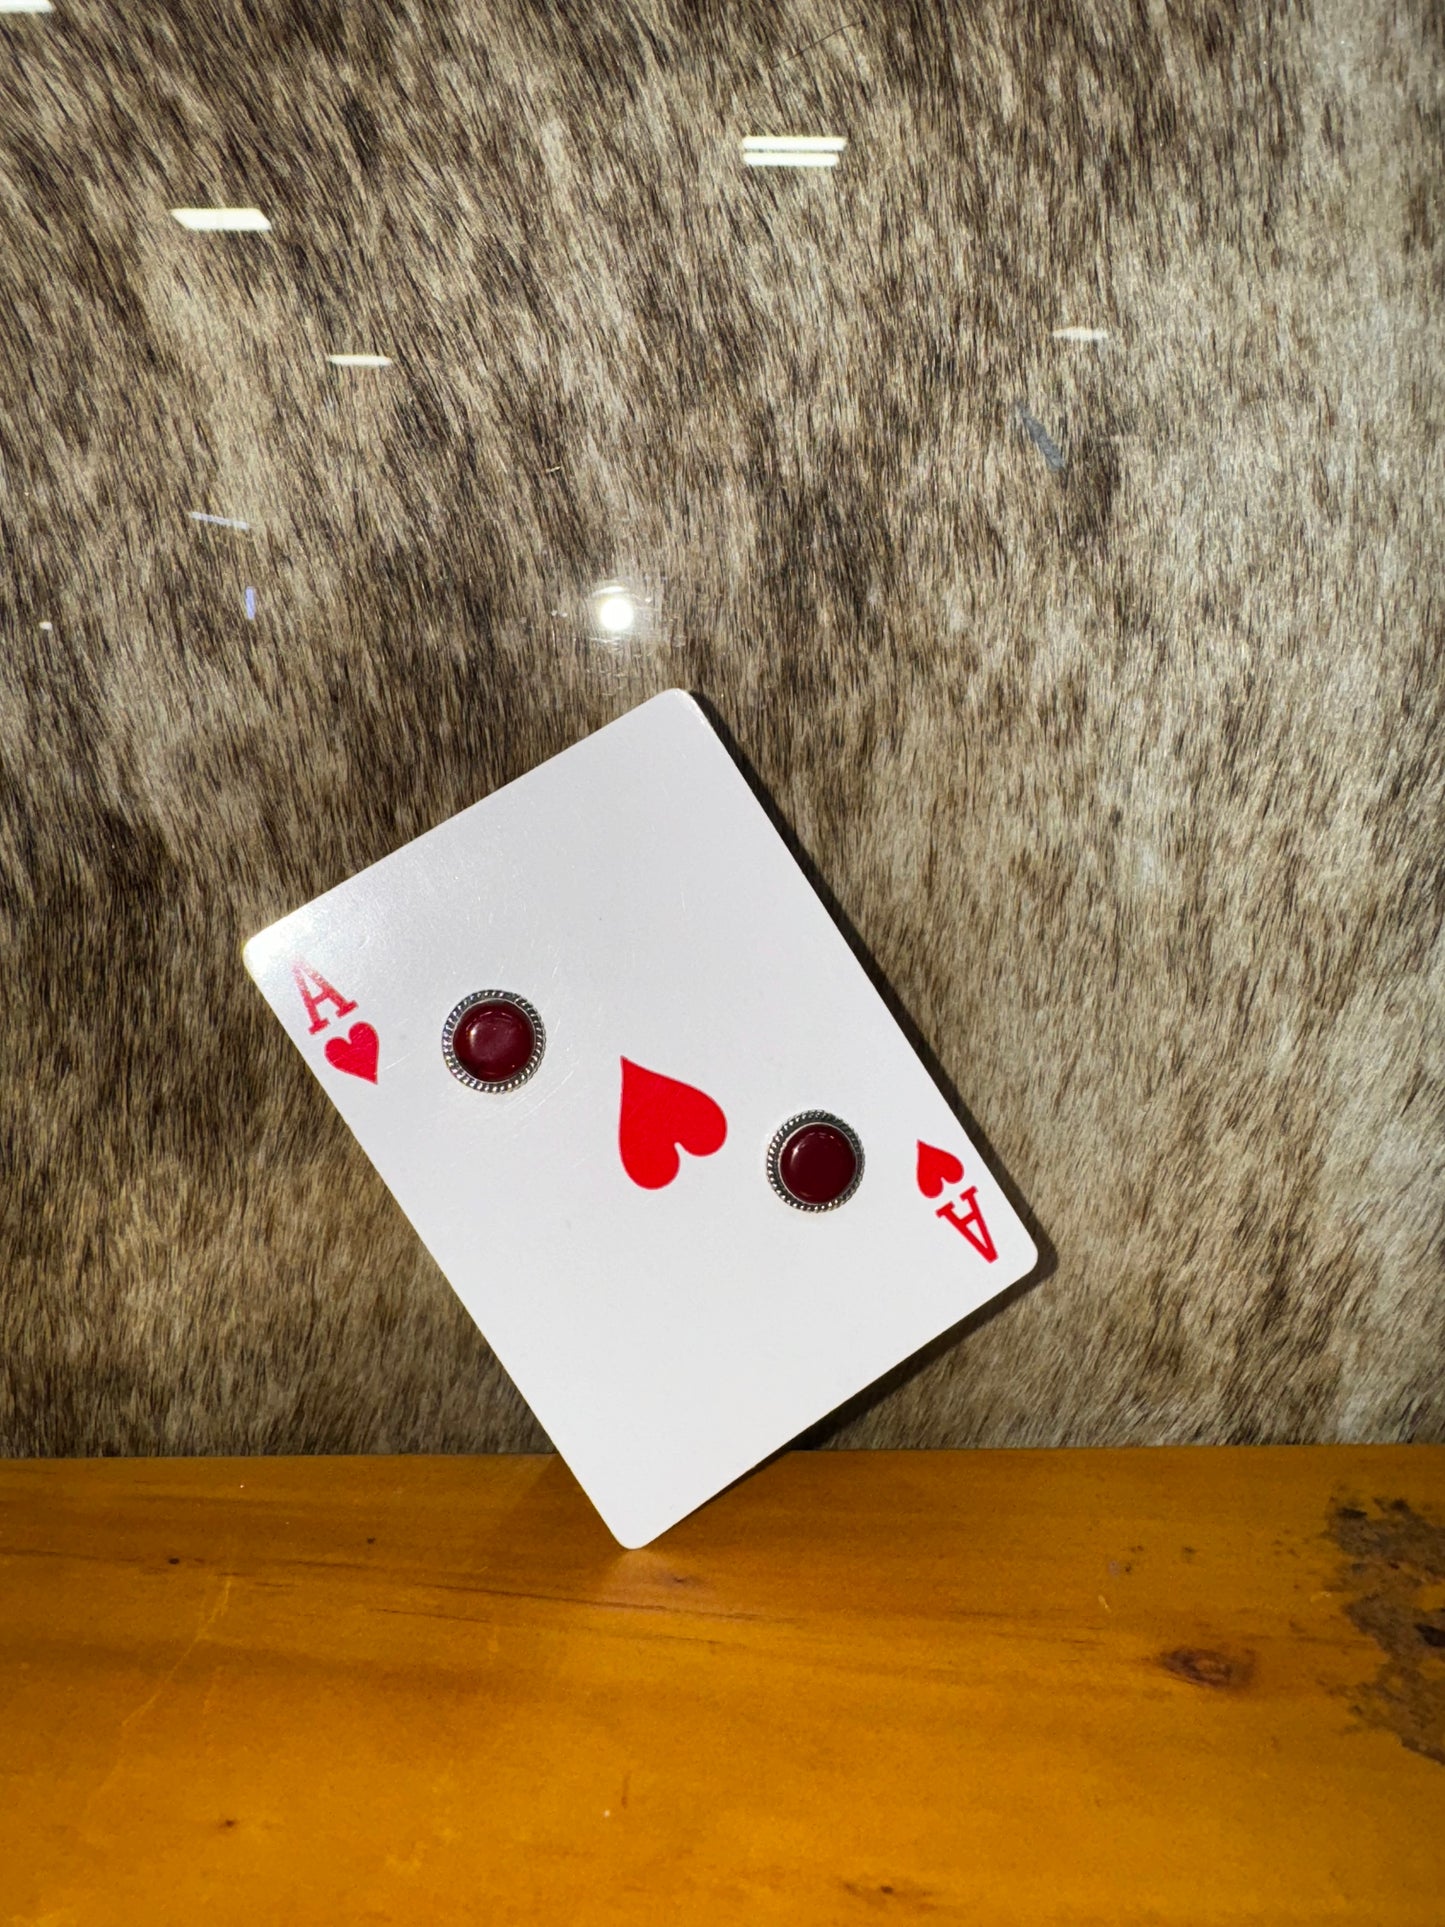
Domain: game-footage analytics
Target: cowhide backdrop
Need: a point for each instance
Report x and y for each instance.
(1128, 774)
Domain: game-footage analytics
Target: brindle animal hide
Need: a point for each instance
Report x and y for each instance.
(1100, 679)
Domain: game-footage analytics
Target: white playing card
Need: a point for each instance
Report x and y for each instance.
(668, 1335)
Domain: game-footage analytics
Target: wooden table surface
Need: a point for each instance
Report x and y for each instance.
(1106, 1687)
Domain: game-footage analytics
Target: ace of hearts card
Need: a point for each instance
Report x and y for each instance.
(618, 1066)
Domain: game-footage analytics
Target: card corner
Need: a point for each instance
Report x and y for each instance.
(630, 1531)
(251, 955)
(678, 698)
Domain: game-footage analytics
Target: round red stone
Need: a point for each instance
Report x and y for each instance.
(493, 1041)
(817, 1164)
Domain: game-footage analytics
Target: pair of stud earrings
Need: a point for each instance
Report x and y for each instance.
(494, 1040)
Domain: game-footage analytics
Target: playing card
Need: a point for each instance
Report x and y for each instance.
(623, 1074)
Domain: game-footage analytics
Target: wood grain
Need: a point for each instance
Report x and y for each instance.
(1096, 1687)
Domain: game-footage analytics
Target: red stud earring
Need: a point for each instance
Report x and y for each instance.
(493, 1040)
(815, 1161)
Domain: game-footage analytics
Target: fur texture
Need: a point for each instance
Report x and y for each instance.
(1128, 774)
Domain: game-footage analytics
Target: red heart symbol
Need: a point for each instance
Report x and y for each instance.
(936, 1168)
(355, 1053)
(659, 1115)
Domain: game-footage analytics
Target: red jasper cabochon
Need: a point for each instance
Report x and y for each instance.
(494, 1039)
(816, 1162)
